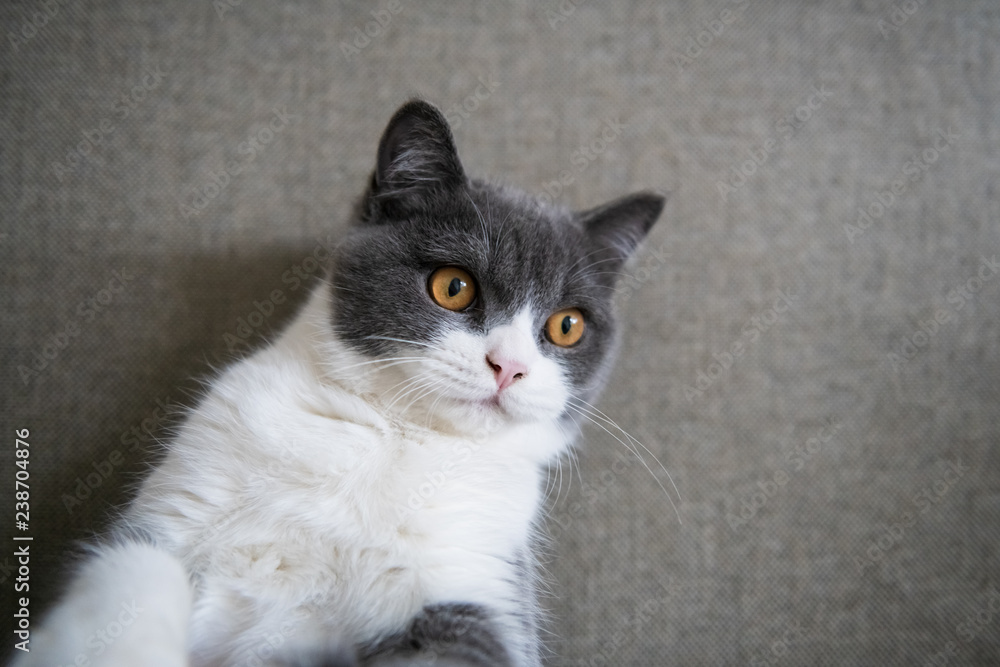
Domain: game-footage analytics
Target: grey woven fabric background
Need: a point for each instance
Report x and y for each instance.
(823, 392)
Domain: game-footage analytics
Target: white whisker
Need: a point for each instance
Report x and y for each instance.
(391, 361)
(426, 380)
(403, 340)
(482, 222)
(426, 389)
(633, 439)
(407, 383)
(594, 419)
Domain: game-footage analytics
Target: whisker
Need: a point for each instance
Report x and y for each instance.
(430, 410)
(571, 454)
(633, 439)
(403, 340)
(393, 360)
(593, 420)
(426, 389)
(482, 222)
(424, 380)
(584, 268)
(408, 382)
(559, 476)
(504, 230)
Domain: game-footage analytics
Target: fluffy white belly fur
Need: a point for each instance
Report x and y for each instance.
(298, 503)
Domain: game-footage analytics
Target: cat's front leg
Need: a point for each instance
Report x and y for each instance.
(128, 605)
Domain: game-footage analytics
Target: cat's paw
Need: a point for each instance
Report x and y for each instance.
(429, 661)
(326, 657)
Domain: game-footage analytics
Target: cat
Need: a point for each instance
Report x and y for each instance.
(367, 490)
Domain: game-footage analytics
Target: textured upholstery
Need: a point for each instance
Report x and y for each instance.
(169, 170)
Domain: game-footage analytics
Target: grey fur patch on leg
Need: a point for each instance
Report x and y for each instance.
(446, 635)
(332, 656)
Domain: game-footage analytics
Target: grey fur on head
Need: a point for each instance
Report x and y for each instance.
(422, 212)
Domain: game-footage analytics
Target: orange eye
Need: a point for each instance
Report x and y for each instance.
(565, 327)
(452, 288)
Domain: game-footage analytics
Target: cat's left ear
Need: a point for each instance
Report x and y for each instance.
(617, 228)
(417, 159)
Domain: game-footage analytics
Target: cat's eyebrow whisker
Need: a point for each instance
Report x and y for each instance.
(581, 411)
(595, 263)
(587, 268)
(504, 229)
(482, 222)
(589, 254)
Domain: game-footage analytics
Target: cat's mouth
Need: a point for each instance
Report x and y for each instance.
(492, 403)
(489, 406)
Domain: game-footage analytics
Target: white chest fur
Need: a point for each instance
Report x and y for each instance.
(298, 502)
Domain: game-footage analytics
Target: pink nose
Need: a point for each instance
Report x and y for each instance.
(507, 371)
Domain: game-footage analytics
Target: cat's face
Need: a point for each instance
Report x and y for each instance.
(484, 302)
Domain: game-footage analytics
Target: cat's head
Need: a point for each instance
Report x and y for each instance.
(483, 302)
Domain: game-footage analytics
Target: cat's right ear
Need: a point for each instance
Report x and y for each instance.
(417, 160)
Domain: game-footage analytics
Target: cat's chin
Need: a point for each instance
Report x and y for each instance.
(493, 413)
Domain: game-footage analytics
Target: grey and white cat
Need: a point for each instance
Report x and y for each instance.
(366, 490)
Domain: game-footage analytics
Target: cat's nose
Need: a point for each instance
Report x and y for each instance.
(507, 371)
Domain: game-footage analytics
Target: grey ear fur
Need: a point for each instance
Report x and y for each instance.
(616, 229)
(417, 160)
